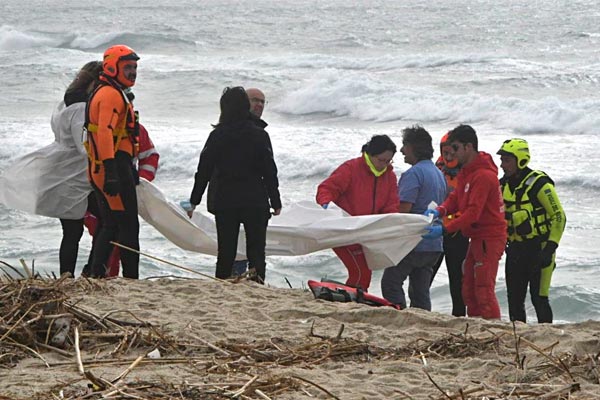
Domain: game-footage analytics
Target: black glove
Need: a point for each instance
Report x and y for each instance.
(545, 256)
(111, 178)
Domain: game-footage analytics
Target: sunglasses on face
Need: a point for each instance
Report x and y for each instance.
(456, 146)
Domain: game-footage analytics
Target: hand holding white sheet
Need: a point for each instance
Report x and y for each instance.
(301, 228)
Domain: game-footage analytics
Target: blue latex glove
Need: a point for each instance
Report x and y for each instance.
(435, 231)
(325, 206)
(434, 212)
(186, 205)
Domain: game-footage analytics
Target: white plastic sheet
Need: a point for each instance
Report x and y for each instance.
(51, 181)
(301, 228)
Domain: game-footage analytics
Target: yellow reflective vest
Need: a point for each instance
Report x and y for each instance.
(532, 209)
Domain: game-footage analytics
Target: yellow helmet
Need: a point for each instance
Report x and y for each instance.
(518, 148)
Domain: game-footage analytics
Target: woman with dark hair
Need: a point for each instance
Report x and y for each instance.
(237, 161)
(52, 181)
(362, 186)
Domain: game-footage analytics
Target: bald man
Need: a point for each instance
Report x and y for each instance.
(257, 101)
(257, 106)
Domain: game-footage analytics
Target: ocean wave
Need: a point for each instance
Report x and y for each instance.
(12, 39)
(169, 43)
(363, 98)
(590, 182)
(575, 303)
(383, 63)
(576, 34)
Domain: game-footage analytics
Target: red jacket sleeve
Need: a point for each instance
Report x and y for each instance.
(480, 188)
(334, 186)
(450, 205)
(147, 156)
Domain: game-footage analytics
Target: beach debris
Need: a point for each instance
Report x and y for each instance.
(40, 316)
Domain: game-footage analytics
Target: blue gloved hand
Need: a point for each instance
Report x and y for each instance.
(435, 231)
(325, 206)
(434, 212)
(186, 205)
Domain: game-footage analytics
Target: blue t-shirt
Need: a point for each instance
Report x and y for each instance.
(421, 184)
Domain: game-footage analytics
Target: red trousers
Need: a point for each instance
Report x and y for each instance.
(353, 257)
(479, 277)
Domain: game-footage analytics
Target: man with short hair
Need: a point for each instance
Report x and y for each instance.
(477, 201)
(418, 186)
(257, 106)
(536, 222)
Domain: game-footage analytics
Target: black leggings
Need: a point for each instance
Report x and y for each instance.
(455, 250)
(255, 220)
(122, 226)
(72, 230)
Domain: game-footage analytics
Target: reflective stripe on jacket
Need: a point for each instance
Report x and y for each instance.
(147, 156)
(532, 208)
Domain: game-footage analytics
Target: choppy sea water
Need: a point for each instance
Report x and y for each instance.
(335, 73)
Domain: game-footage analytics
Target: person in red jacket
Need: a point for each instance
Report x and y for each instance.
(147, 164)
(147, 158)
(362, 186)
(477, 200)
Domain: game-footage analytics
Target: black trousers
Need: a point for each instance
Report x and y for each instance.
(255, 220)
(455, 250)
(72, 230)
(120, 226)
(522, 270)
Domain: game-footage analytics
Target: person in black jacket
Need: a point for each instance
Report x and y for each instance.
(257, 106)
(237, 160)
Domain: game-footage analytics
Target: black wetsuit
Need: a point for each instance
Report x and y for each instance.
(120, 226)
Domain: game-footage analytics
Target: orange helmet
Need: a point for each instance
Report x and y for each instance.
(112, 56)
(444, 139)
(444, 143)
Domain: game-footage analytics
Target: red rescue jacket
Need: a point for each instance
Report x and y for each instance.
(478, 199)
(147, 156)
(354, 188)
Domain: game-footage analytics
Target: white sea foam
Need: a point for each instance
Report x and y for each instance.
(93, 41)
(371, 100)
(14, 39)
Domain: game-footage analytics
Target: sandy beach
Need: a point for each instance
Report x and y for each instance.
(222, 340)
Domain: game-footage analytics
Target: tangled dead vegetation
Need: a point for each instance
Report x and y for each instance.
(39, 316)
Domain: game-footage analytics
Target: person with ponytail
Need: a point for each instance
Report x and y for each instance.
(52, 181)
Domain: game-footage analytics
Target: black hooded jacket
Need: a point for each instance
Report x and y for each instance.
(237, 160)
